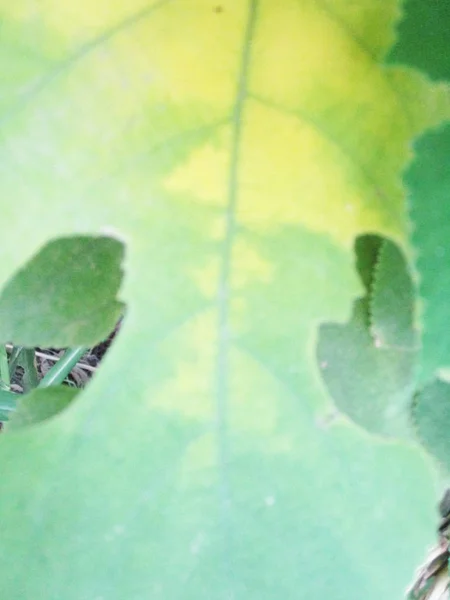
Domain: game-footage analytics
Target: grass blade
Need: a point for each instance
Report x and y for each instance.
(4, 368)
(62, 368)
(30, 378)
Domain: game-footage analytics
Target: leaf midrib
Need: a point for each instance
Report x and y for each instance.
(223, 300)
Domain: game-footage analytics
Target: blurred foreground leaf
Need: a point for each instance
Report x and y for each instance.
(237, 149)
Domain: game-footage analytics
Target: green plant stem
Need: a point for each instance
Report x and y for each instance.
(14, 358)
(62, 368)
(30, 379)
(4, 367)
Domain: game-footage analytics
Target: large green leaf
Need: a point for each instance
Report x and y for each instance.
(237, 148)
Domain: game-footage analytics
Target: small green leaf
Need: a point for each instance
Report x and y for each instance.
(428, 180)
(65, 295)
(8, 403)
(371, 382)
(431, 416)
(424, 37)
(40, 405)
(392, 301)
(367, 248)
(27, 361)
(372, 385)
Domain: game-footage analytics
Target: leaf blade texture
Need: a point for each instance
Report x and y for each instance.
(237, 149)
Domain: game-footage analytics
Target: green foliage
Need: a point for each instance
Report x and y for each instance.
(26, 360)
(238, 150)
(425, 21)
(65, 295)
(429, 182)
(40, 405)
(8, 402)
(367, 249)
(431, 413)
(392, 302)
(368, 363)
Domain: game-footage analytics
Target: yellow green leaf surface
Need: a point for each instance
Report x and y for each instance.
(236, 148)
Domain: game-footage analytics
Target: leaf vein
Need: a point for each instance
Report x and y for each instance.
(80, 54)
(309, 119)
(224, 293)
(369, 53)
